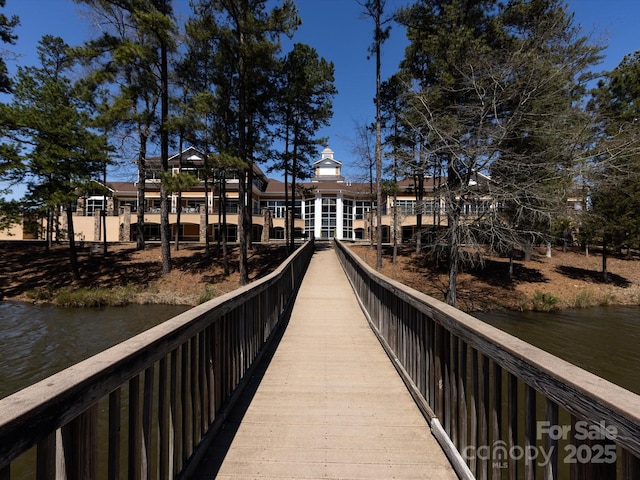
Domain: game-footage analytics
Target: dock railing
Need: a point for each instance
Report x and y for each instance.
(150, 406)
(500, 407)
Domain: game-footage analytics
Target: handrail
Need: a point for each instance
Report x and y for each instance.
(495, 402)
(174, 384)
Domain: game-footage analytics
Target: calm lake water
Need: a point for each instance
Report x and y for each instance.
(602, 340)
(39, 340)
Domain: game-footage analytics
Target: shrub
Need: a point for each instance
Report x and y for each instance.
(207, 294)
(545, 302)
(584, 299)
(94, 297)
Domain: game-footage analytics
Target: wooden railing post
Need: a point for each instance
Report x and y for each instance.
(80, 445)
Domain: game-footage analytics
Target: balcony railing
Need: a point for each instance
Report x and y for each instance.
(150, 406)
(499, 406)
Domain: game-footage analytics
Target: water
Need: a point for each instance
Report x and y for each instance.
(602, 340)
(39, 340)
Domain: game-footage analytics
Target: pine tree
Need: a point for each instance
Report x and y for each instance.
(303, 105)
(53, 123)
(498, 110)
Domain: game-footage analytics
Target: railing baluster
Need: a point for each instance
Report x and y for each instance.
(455, 369)
(475, 412)
(165, 470)
(175, 415)
(47, 457)
(462, 399)
(115, 403)
(446, 354)
(630, 465)
(147, 414)
(529, 432)
(496, 423)
(512, 426)
(483, 413)
(135, 430)
(551, 442)
(84, 430)
(185, 397)
(194, 396)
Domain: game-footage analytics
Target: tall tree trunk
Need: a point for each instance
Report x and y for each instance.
(222, 231)
(292, 209)
(418, 179)
(142, 154)
(73, 253)
(242, 238)
(178, 215)
(605, 273)
(452, 272)
(49, 230)
(179, 202)
(378, 43)
(453, 219)
(103, 218)
(165, 227)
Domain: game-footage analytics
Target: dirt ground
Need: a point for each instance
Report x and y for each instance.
(28, 272)
(573, 279)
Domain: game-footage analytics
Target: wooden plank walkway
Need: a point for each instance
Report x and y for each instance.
(329, 404)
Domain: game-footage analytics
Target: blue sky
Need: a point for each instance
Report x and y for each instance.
(340, 33)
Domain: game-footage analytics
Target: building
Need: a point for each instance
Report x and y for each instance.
(326, 206)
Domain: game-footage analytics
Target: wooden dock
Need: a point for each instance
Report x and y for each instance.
(328, 402)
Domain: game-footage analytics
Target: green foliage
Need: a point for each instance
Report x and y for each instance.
(207, 294)
(6, 36)
(614, 172)
(179, 182)
(545, 302)
(10, 213)
(497, 111)
(94, 297)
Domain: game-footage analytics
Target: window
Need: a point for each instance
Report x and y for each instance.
(278, 207)
(362, 207)
(94, 204)
(329, 218)
(406, 207)
(347, 219)
(309, 217)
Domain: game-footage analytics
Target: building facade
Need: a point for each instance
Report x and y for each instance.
(327, 206)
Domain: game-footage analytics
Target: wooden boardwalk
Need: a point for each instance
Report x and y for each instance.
(328, 402)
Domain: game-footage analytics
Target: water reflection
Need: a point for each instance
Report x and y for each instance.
(602, 340)
(39, 340)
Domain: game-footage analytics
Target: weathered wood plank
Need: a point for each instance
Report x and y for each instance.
(462, 399)
(630, 466)
(175, 420)
(496, 421)
(80, 445)
(512, 424)
(113, 461)
(575, 390)
(475, 411)
(47, 456)
(551, 442)
(135, 431)
(147, 414)
(529, 431)
(165, 456)
(30, 415)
